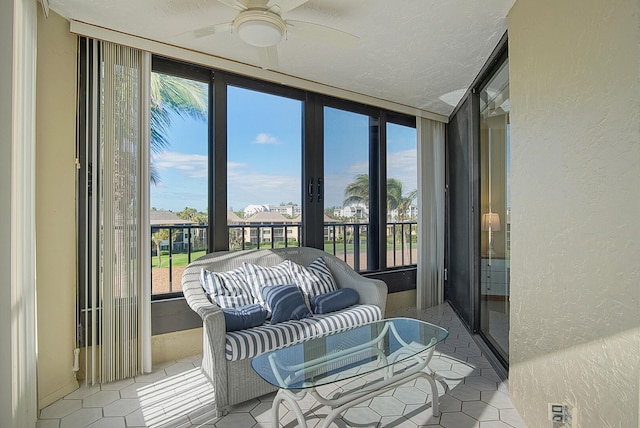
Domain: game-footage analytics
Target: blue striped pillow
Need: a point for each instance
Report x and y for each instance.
(259, 277)
(227, 289)
(314, 280)
(334, 300)
(285, 302)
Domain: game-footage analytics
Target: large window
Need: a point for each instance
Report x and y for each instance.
(179, 172)
(264, 146)
(243, 164)
(402, 191)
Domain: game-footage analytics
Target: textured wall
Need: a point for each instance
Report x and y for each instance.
(575, 138)
(55, 207)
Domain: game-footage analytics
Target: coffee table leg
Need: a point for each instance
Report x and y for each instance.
(291, 398)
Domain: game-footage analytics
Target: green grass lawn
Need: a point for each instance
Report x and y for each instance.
(179, 259)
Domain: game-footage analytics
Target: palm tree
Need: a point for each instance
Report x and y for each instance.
(396, 200)
(157, 238)
(171, 95)
(357, 192)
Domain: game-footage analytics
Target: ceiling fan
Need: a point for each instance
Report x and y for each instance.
(259, 23)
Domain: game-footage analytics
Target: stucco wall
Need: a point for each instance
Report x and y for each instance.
(575, 165)
(55, 207)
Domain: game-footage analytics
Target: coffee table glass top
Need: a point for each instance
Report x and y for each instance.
(339, 356)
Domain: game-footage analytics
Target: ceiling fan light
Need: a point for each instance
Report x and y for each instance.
(260, 33)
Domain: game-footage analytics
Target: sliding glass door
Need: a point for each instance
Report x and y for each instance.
(495, 210)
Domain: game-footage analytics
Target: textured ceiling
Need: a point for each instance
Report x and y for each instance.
(418, 53)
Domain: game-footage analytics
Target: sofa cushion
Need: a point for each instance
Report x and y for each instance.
(227, 289)
(285, 302)
(244, 317)
(345, 319)
(334, 300)
(258, 340)
(315, 279)
(259, 277)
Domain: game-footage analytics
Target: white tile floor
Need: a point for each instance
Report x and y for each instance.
(176, 394)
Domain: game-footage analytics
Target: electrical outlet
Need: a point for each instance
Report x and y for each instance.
(562, 415)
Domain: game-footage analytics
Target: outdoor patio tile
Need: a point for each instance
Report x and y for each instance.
(262, 412)
(458, 420)
(247, 406)
(135, 390)
(387, 406)
(494, 424)
(480, 411)
(151, 377)
(101, 399)
(421, 415)
(81, 418)
(144, 417)
(465, 369)
(122, 407)
(465, 393)
(117, 385)
(179, 368)
(115, 422)
(236, 420)
(481, 383)
(83, 392)
(60, 409)
(411, 395)
(397, 422)
(203, 415)
(361, 416)
(497, 399)
(512, 417)
(449, 404)
(48, 423)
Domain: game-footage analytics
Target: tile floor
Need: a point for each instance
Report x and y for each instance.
(176, 394)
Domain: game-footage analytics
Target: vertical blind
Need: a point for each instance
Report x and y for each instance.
(117, 298)
(431, 175)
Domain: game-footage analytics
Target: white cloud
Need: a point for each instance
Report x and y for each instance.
(191, 165)
(249, 186)
(264, 138)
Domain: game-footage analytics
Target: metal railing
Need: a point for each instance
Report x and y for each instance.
(347, 241)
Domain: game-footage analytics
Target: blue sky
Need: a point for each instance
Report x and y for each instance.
(264, 154)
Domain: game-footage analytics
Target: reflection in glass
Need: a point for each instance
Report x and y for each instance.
(495, 220)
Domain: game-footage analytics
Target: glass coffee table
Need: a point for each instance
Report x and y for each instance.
(385, 354)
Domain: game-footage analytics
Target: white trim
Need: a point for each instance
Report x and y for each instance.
(23, 240)
(195, 57)
(145, 207)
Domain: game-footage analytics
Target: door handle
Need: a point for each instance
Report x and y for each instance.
(310, 189)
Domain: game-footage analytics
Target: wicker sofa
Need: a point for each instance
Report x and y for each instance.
(234, 380)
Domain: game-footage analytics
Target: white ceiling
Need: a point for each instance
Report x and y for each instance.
(418, 53)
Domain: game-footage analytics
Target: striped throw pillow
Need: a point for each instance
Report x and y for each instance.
(285, 302)
(259, 277)
(314, 280)
(227, 289)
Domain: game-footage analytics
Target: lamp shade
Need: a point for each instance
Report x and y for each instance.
(491, 221)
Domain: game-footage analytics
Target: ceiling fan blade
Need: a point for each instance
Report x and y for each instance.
(282, 6)
(236, 4)
(322, 33)
(268, 57)
(204, 32)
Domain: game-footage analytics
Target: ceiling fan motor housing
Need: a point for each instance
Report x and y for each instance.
(259, 28)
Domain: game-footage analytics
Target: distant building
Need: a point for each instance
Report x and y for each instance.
(357, 211)
(180, 237)
(290, 210)
(253, 209)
